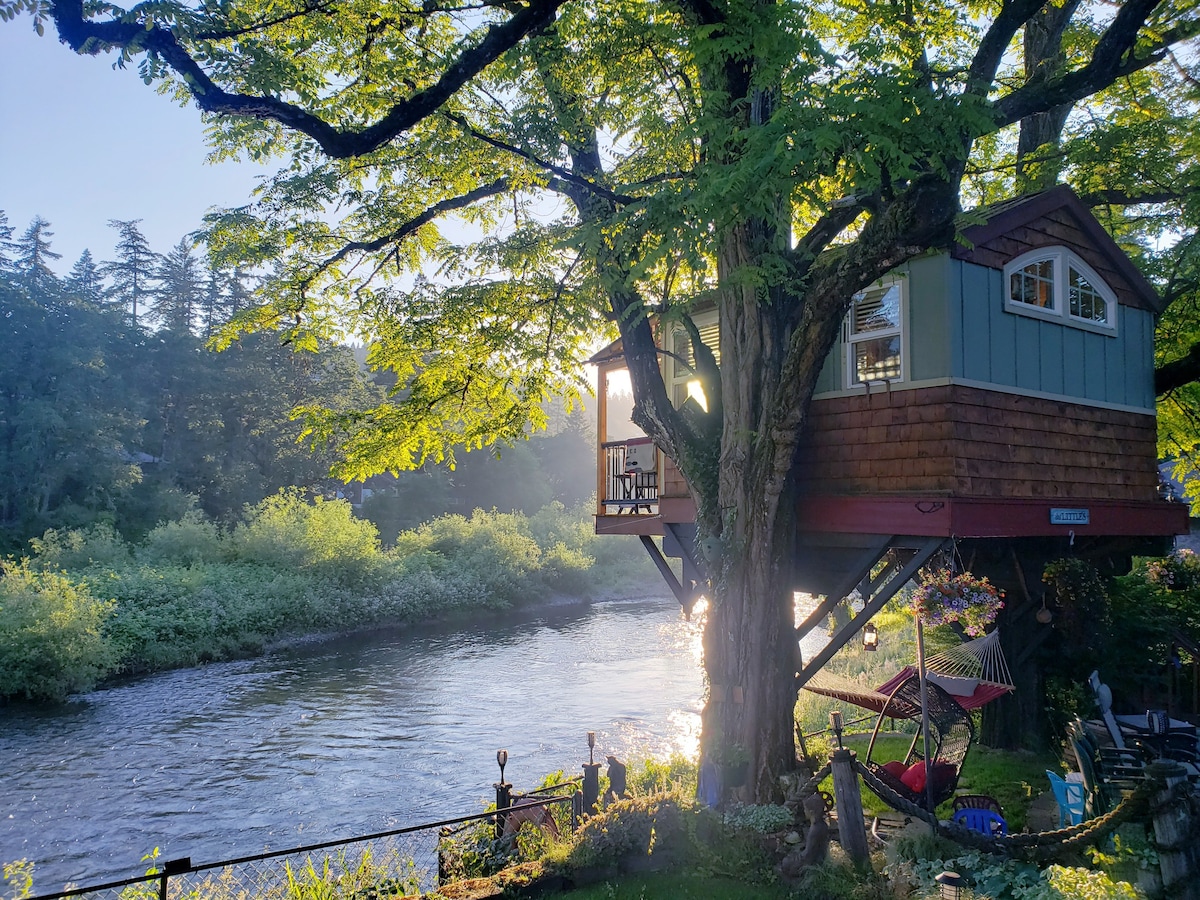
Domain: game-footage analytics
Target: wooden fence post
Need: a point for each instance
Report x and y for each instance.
(1173, 826)
(852, 829)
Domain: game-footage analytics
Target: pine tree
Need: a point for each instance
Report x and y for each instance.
(84, 280)
(180, 293)
(132, 273)
(33, 254)
(6, 244)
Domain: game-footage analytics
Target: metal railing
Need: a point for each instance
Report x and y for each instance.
(624, 490)
(384, 864)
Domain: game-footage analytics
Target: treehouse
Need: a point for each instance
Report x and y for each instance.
(999, 396)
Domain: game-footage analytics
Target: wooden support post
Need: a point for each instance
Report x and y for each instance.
(852, 829)
(1173, 825)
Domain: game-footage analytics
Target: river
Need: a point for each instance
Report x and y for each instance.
(358, 734)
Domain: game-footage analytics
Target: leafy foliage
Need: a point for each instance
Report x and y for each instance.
(51, 634)
(192, 592)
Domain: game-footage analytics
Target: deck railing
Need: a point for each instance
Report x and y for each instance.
(630, 488)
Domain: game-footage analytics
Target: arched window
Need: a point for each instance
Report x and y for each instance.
(1053, 283)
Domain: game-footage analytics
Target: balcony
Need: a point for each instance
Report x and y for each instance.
(629, 483)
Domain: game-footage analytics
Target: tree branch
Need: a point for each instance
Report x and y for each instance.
(264, 23)
(564, 174)
(86, 36)
(409, 227)
(1178, 372)
(1112, 58)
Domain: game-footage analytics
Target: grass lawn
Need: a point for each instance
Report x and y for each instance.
(1014, 778)
(667, 886)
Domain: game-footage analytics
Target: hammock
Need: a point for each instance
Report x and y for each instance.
(973, 673)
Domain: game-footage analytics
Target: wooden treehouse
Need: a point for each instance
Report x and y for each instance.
(999, 395)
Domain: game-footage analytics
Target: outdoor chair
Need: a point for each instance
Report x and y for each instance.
(985, 821)
(950, 734)
(1069, 795)
(977, 801)
(1131, 732)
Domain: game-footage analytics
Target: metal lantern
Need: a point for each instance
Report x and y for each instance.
(502, 760)
(835, 721)
(951, 885)
(870, 635)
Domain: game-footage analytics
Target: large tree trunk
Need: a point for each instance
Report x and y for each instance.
(749, 654)
(749, 643)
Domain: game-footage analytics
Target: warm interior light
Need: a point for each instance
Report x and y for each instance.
(870, 636)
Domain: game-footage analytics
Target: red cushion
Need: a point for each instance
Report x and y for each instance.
(895, 768)
(914, 777)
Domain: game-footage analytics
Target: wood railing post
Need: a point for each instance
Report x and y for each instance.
(1173, 826)
(852, 828)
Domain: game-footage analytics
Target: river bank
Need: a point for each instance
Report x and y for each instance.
(85, 607)
(355, 734)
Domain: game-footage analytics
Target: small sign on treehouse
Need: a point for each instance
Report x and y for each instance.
(1061, 516)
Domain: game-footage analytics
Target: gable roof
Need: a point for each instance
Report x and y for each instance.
(1055, 217)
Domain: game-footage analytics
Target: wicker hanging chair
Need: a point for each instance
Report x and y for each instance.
(950, 736)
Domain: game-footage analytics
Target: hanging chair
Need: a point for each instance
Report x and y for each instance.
(950, 735)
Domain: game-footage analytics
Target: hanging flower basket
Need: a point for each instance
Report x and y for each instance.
(942, 597)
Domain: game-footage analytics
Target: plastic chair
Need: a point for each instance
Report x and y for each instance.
(985, 821)
(977, 801)
(1069, 795)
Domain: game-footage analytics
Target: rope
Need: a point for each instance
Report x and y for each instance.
(810, 787)
(1039, 846)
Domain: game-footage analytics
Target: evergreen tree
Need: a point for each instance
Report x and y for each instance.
(84, 280)
(131, 274)
(179, 294)
(7, 247)
(33, 254)
(227, 291)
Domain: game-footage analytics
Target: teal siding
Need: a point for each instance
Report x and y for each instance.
(958, 328)
(974, 356)
(1052, 361)
(830, 378)
(932, 330)
(1024, 353)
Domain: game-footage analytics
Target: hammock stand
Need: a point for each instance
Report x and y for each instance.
(960, 679)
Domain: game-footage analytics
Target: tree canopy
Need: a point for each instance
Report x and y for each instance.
(482, 188)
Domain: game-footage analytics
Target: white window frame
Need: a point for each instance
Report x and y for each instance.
(1062, 260)
(685, 383)
(849, 338)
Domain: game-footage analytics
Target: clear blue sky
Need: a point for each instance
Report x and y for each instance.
(82, 143)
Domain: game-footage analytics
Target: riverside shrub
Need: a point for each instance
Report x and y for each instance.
(191, 592)
(287, 531)
(51, 640)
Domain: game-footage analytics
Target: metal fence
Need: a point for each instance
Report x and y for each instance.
(385, 864)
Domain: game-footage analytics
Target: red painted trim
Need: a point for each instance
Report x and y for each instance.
(976, 518)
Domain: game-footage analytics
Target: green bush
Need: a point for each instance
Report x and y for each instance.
(51, 641)
(190, 593)
(1009, 879)
(191, 540)
(74, 550)
(288, 532)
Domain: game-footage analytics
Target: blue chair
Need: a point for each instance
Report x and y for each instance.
(1070, 797)
(985, 821)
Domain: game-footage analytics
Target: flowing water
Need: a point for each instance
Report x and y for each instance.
(326, 741)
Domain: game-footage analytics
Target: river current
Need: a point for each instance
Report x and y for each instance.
(324, 741)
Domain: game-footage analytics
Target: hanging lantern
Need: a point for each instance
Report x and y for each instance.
(870, 637)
